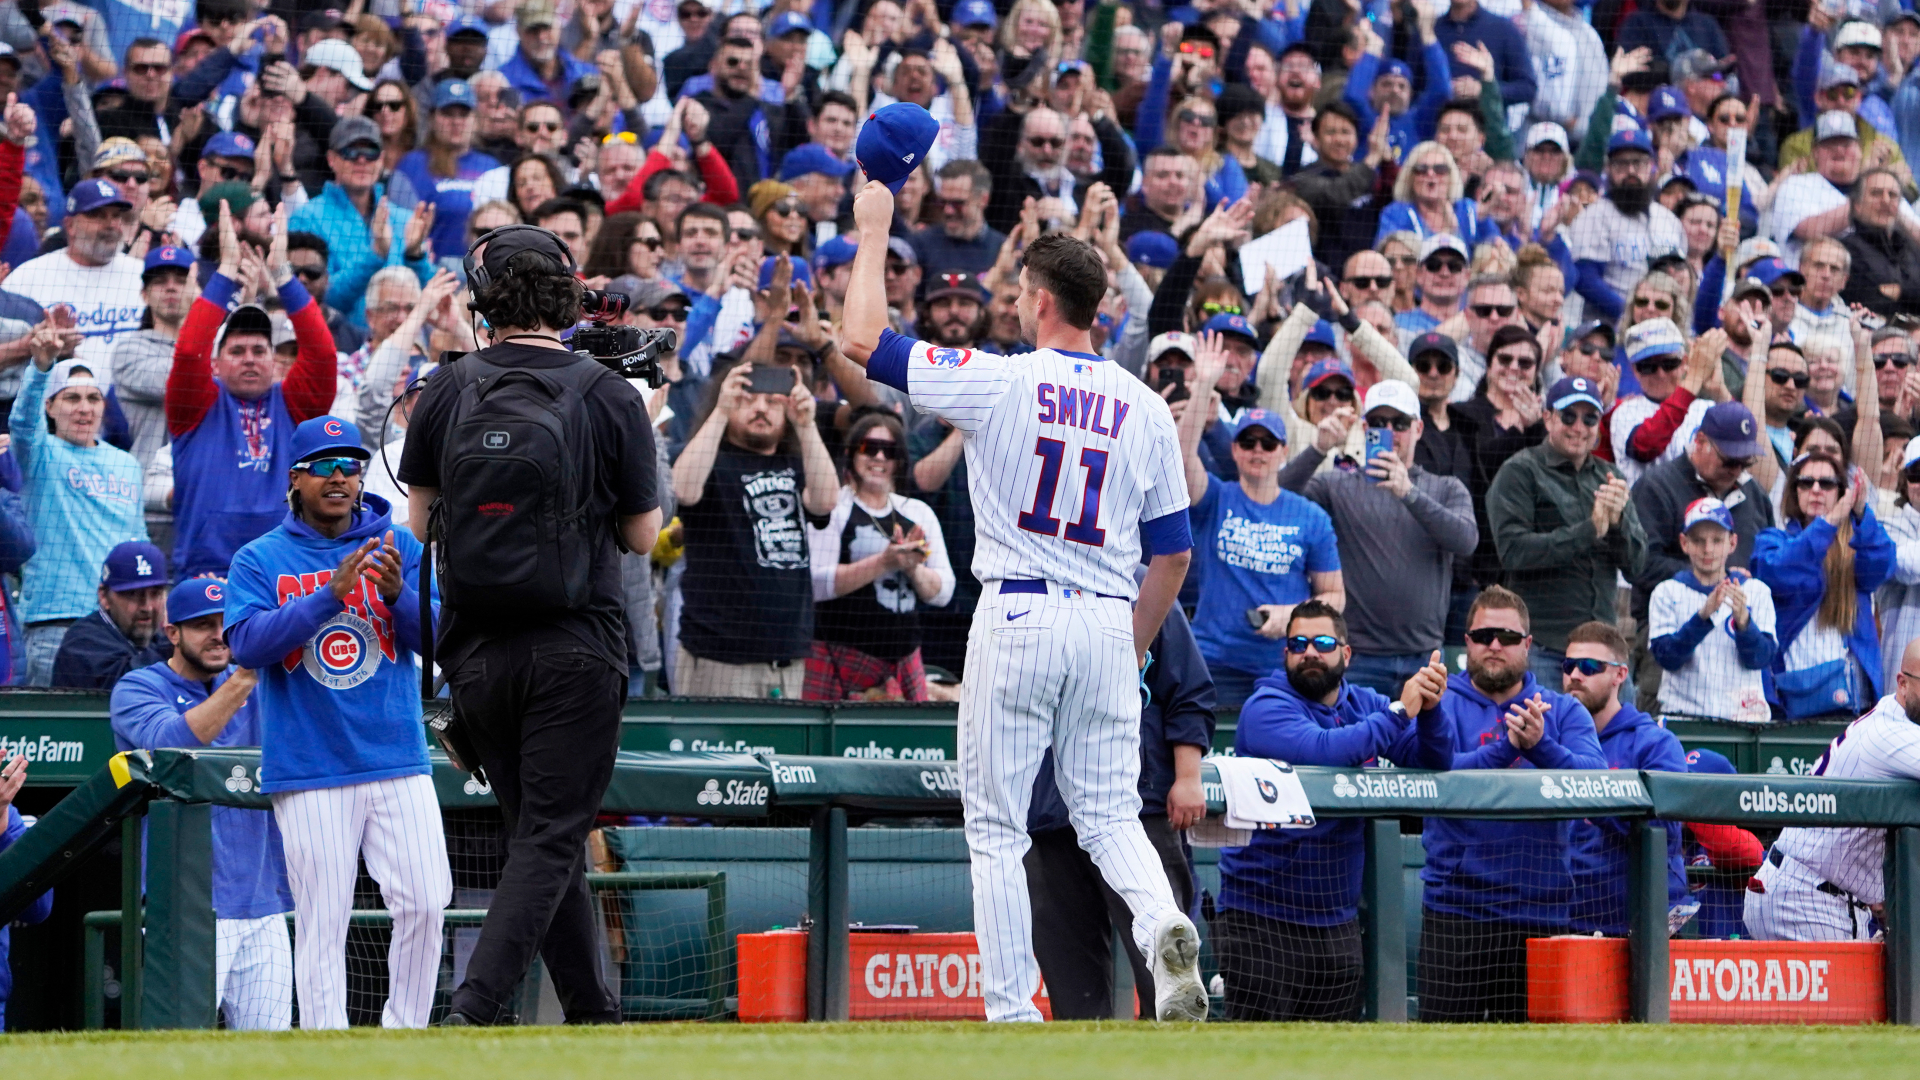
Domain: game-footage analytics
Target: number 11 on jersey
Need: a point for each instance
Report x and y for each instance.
(1039, 518)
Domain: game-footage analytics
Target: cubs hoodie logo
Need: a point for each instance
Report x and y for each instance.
(347, 649)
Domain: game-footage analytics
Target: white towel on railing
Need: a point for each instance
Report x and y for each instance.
(1260, 794)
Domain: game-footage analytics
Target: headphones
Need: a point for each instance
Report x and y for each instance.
(477, 276)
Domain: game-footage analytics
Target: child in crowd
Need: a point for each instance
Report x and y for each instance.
(1711, 627)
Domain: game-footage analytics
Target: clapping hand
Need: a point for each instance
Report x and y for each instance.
(1424, 690)
(1526, 725)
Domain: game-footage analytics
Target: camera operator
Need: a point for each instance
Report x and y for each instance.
(537, 686)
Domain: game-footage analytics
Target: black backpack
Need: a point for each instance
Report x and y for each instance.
(516, 476)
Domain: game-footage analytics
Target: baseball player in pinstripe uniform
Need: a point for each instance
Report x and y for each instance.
(1073, 463)
(321, 608)
(1826, 884)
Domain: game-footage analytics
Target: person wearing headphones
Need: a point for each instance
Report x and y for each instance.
(531, 516)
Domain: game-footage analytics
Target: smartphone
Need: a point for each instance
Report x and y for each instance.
(1256, 618)
(1379, 441)
(770, 380)
(1872, 321)
(1176, 378)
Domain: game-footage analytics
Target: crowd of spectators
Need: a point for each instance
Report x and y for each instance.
(1579, 340)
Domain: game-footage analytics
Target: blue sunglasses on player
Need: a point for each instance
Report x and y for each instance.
(324, 467)
(1586, 666)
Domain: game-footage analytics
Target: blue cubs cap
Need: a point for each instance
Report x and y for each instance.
(1321, 370)
(975, 13)
(90, 195)
(1772, 270)
(1571, 391)
(167, 256)
(1666, 101)
(1321, 334)
(1635, 139)
(1731, 427)
(812, 158)
(453, 93)
(836, 252)
(1266, 419)
(1708, 509)
(327, 436)
(195, 597)
(1394, 67)
(134, 564)
(1710, 761)
(1235, 325)
(228, 144)
(1153, 248)
(788, 22)
(893, 142)
(801, 275)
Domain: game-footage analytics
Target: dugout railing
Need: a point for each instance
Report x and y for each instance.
(166, 972)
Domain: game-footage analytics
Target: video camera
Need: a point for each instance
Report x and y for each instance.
(629, 351)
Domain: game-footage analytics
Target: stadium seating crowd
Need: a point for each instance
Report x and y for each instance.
(1605, 316)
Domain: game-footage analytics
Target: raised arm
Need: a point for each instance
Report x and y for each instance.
(1209, 361)
(865, 314)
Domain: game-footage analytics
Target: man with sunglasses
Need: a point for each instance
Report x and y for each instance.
(1594, 673)
(343, 752)
(1401, 530)
(149, 80)
(1893, 368)
(1441, 280)
(1491, 304)
(1287, 934)
(1563, 524)
(1491, 885)
(344, 214)
(962, 241)
(1676, 390)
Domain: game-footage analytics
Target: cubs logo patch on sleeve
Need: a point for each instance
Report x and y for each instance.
(948, 358)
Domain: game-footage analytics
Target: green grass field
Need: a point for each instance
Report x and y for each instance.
(930, 1051)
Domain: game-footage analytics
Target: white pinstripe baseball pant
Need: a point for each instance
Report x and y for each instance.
(1793, 908)
(253, 973)
(396, 825)
(1051, 670)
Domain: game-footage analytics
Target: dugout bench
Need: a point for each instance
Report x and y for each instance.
(168, 977)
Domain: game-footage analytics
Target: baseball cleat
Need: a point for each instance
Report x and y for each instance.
(1176, 971)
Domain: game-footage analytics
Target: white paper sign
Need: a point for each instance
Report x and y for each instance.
(1286, 249)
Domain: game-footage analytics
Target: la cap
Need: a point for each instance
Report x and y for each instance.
(134, 564)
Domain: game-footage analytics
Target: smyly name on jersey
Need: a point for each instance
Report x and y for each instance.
(1083, 409)
(363, 601)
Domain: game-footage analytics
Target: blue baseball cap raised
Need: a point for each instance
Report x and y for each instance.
(134, 564)
(893, 142)
(195, 597)
(812, 158)
(325, 436)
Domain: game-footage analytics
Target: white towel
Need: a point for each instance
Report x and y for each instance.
(1260, 794)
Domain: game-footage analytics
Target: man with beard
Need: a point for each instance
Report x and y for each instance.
(749, 546)
(1613, 239)
(1593, 674)
(1563, 523)
(540, 69)
(953, 312)
(1283, 137)
(125, 633)
(1491, 885)
(91, 275)
(1288, 930)
(1824, 884)
(963, 240)
(752, 133)
(198, 698)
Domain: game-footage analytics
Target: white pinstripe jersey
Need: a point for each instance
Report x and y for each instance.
(1067, 454)
(1881, 745)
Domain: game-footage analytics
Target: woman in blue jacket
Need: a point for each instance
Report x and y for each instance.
(1823, 568)
(1429, 199)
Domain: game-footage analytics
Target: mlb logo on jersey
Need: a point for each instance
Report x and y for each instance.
(948, 358)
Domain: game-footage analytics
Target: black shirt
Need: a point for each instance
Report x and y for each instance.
(880, 618)
(622, 479)
(748, 588)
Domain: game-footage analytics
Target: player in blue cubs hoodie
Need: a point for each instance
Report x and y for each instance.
(1491, 885)
(13, 775)
(1595, 670)
(322, 609)
(1288, 932)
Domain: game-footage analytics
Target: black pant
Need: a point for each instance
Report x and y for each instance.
(544, 713)
(1075, 914)
(1278, 970)
(1474, 970)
